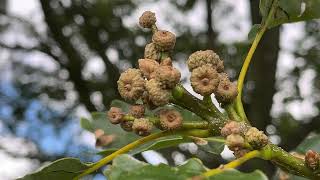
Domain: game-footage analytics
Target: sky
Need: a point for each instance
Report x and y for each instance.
(11, 167)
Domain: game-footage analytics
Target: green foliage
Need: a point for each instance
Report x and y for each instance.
(66, 168)
(234, 174)
(157, 144)
(312, 142)
(213, 145)
(126, 167)
(287, 11)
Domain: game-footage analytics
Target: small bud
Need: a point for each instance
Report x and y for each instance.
(164, 40)
(105, 140)
(126, 125)
(166, 62)
(257, 139)
(167, 76)
(170, 119)
(142, 126)
(312, 159)
(148, 66)
(233, 127)
(226, 91)
(131, 84)
(102, 139)
(115, 115)
(200, 58)
(235, 142)
(150, 52)
(137, 111)
(98, 133)
(204, 80)
(156, 94)
(147, 19)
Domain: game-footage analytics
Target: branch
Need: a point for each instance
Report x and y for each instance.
(181, 97)
(75, 60)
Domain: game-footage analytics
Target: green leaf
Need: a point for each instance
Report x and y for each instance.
(86, 124)
(107, 152)
(288, 11)
(162, 143)
(264, 7)
(253, 32)
(123, 164)
(66, 168)
(213, 145)
(234, 174)
(157, 144)
(312, 142)
(126, 167)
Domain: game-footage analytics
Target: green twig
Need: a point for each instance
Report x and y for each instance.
(245, 66)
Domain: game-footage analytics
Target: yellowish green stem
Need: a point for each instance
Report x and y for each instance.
(232, 164)
(245, 66)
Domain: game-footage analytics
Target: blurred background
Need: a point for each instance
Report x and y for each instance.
(60, 60)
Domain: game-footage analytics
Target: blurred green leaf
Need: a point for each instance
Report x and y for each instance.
(86, 124)
(123, 164)
(234, 174)
(157, 144)
(288, 11)
(213, 145)
(66, 168)
(312, 142)
(126, 167)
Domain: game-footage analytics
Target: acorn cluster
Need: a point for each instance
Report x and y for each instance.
(240, 137)
(153, 81)
(208, 76)
(167, 119)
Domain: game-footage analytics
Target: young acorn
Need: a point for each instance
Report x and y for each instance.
(126, 125)
(164, 40)
(147, 19)
(257, 139)
(137, 111)
(142, 127)
(200, 58)
(170, 119)
(233, 127)
(156, 93)
(115, 115)
(131, 84)
(312, 160)
(148, 67)
(204, 80)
